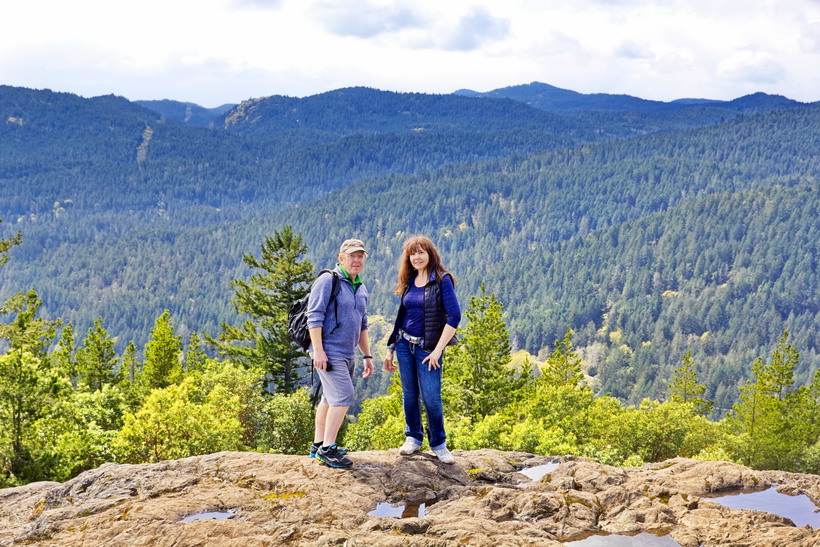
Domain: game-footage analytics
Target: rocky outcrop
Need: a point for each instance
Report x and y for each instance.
(482, 499)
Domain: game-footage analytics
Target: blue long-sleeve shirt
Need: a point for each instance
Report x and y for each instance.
(413, 321)
(339, 335)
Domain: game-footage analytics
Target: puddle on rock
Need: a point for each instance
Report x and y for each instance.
(536, 472)
(216, 515)
(799, 509)
(624, 540)
(411, 510)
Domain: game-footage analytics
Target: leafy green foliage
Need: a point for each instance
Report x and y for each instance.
(79, 433)
(380, 424)
(177, 421)
(29, 384)
(286, 422)
(563, 366)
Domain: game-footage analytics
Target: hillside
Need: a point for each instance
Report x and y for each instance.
(559, 237)
(574, 219)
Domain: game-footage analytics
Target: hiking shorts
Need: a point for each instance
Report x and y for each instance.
(337, 383)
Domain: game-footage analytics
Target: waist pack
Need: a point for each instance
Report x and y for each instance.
(297, 316)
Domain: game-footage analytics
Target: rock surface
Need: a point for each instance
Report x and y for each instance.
(482, 499)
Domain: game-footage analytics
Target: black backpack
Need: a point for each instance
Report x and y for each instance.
(297, 316)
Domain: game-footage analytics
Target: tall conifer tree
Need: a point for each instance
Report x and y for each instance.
(280, 278)
(162, 354)
(563, 366)
(685, 388)
(482, 380)
(96, 359)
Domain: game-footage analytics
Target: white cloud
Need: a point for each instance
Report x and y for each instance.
(365, 19)
(633, 50)
(754, 67)
(810, 37)
(475, 28)
(259, 4)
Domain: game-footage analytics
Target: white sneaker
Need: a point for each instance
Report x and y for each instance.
(444, 455)
(409, 446)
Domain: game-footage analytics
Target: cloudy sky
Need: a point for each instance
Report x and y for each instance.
(213, 52)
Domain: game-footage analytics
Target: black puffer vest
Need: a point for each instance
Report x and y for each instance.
(435, 317)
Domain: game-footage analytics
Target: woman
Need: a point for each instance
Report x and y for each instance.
(335, 331)
(425, 324)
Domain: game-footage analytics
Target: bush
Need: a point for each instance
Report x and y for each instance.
(286, 423)
(171, 424)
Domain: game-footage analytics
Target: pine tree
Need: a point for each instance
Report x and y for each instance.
(96, 359)
(162, 355)
(128, 367)
(64, 355)
(6, 244)
(685, 388)
(481, 381)
(281, 278)
(781, 371)
(753, 416)
(29, 383)
(195, 357)
(563, 366)
(767, 418)
(27, 331)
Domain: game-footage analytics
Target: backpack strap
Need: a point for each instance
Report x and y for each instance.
(335, 287)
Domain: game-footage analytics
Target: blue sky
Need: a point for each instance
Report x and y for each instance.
(213, 52)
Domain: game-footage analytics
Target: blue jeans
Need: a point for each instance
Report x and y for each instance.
(418, 382)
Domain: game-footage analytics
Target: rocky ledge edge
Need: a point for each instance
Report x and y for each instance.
(482, 499)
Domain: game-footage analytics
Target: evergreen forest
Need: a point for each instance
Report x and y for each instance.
(641, 278)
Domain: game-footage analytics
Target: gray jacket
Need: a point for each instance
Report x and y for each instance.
(339, 335)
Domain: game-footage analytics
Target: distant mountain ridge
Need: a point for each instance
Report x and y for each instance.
(551, 98)
(188, 113)
(362, 109)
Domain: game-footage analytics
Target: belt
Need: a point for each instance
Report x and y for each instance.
(418, 340)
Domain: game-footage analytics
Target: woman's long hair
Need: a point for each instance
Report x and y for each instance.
(406, 269)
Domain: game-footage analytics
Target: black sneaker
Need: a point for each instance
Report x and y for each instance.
(313, 449)
(332, 457)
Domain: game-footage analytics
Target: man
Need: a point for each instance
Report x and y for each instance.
(335, 332)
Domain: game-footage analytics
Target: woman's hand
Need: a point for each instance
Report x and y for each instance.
(389, 364)
(433, 360)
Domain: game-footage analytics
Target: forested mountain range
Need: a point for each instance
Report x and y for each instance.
(548, 97)
(650, 230)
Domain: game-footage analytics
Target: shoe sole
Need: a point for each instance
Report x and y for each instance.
(333, 465)
(313, 454)
(405, 453)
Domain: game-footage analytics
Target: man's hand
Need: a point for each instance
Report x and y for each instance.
(320, 359)
(368, 367)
